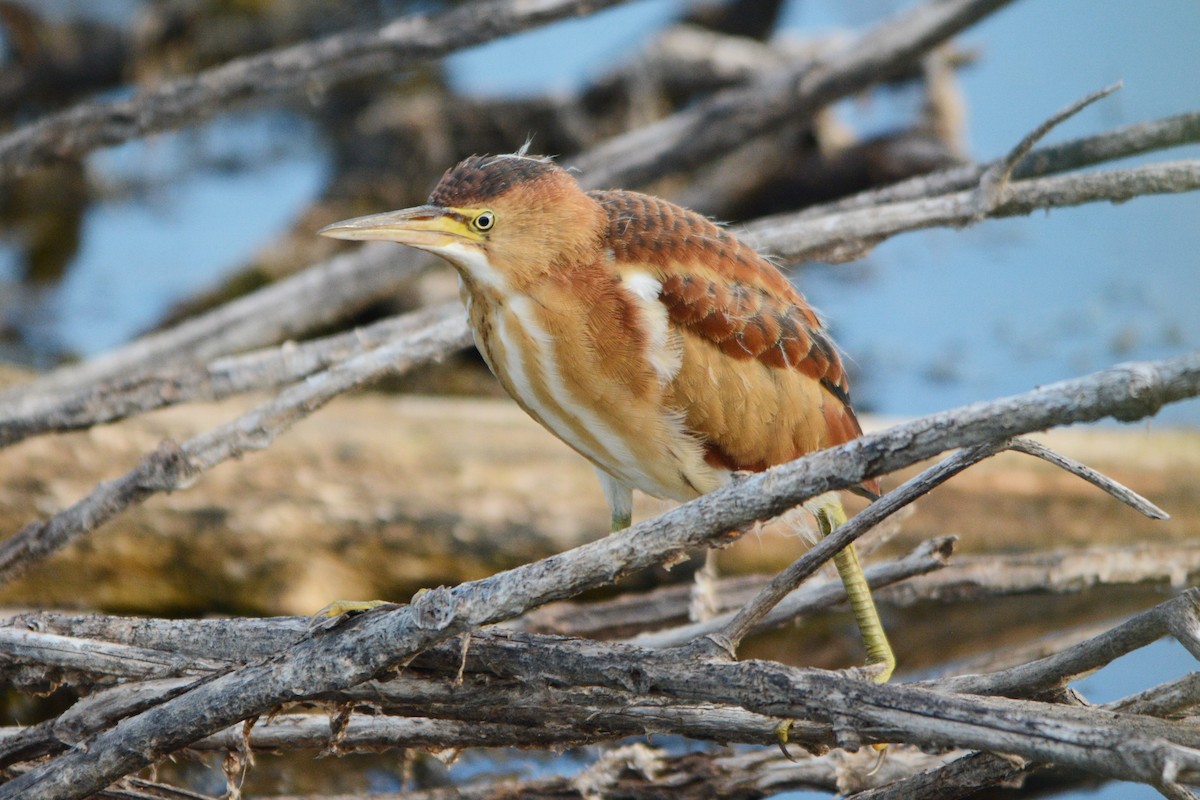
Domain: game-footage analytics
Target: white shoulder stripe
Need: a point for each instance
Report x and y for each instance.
(643, 284)
(664, 349)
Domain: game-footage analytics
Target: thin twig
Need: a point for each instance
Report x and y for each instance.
(1101, 481)
(731, 634)
(270, 368)
(993, 184)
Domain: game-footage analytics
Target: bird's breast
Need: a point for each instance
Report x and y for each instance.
(582, 371)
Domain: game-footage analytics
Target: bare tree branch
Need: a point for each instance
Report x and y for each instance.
(732, 117)
(842, 235)
(993, 184)
(1143, 137)
(270, 368)
(363, 647)
(317, 296)
(311, 66)
(1116, 490)
(174, 466)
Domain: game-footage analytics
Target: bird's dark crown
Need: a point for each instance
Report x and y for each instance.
(481, 178)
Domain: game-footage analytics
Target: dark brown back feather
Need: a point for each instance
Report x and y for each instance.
(720, 289)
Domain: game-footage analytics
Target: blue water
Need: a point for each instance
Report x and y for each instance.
(140, 254)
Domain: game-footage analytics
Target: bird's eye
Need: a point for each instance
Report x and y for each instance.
(484, 221)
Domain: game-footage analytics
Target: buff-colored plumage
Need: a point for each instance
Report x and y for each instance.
(745, 375)
(653, 342)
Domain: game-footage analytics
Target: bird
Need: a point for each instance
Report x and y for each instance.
(651, 340)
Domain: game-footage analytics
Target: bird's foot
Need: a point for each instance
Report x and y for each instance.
(341, 607)
(880, 668)
(781, 735)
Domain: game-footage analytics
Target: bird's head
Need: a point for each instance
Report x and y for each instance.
(500, 220)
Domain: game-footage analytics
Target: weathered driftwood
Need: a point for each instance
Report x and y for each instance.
(559, 691)
(428, 668)
(346, 654)
(381, 496)
(340, 57)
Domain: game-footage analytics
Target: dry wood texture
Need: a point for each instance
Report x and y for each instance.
(218, 466)
(382, 496)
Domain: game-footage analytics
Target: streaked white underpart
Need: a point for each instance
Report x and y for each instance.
(618, 495)
(616, 457)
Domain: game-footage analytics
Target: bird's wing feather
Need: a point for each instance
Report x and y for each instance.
(725, 298)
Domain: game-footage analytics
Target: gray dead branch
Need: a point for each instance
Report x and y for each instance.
(346, 653)
(169, 367)
(569, 691)
(309, 67)
(433, 673)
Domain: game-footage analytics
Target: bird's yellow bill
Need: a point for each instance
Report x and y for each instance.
(423, 226)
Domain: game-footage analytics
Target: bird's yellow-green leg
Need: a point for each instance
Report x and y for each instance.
(830, 515)
(620, 505)
(620, 500)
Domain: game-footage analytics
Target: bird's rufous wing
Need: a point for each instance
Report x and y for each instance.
(744, 329)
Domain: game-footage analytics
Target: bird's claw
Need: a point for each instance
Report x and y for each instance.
(882, 751)
(781, 735)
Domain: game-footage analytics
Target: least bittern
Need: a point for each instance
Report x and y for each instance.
(653, 342)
